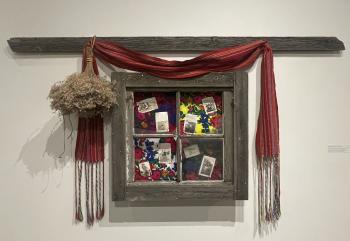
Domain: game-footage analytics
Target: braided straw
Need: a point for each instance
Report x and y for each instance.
(89, 59)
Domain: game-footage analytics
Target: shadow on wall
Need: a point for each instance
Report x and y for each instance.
(43, 153)
(218, 213)
(49, 148)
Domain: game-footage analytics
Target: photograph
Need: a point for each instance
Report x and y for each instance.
(207, 166)
(190, 127)
(145, 169)
(147, 105)
(162, 122)
(209, 105)
(164, 152)
(190, 123)
(191, 151)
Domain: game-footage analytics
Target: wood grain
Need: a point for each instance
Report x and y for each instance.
(228, 134)
(172, 44)
(240, 125)
(119, 142)
(146, 81)
(203, 191)
(235, 96)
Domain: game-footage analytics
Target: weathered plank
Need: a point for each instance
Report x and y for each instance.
(229, 135)
(119, 144)
(240, 123)
(172, 44)
(144, 81)
(176, 191)
(129, 135)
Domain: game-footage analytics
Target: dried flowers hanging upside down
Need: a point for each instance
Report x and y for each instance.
(84, 93)
(90, 96)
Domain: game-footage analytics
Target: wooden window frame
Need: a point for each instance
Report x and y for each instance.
(234, 86)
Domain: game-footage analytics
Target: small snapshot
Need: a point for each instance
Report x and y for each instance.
(190, 123)
(209, 105)
(147, 105)
(145, 169)
(207, 166)
(162, 122)
(191, 151)
(164, 153)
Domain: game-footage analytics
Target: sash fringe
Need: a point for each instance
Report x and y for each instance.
(94, 173)
(269, 190)
(89, 159)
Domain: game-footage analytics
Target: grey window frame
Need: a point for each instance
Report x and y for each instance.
(234, 86)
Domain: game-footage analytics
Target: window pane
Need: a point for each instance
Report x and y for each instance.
(201, 113)
(202, 159)
(154, 112)
(155, 159)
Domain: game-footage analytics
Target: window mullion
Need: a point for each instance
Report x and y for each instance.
(178, 140)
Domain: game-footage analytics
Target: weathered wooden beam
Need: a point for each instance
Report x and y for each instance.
(173, 44)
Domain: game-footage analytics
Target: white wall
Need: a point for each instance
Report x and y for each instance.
(36, 187)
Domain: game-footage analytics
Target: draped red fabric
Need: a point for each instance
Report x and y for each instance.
(226, 59)
(90, 149)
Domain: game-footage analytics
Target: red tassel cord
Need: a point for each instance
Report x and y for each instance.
(89, 159)
(89, 156)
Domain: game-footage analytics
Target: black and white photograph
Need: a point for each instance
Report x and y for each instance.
(191, 151)
(190, 127)
(147, 105)
(145, 169)
(190, 123)
(164, 153)
(207, 166)
(162, 122)
(209, 105)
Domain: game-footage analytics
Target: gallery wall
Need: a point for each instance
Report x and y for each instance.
(36, 172)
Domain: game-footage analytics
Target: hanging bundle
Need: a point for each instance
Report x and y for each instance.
(90, 96)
